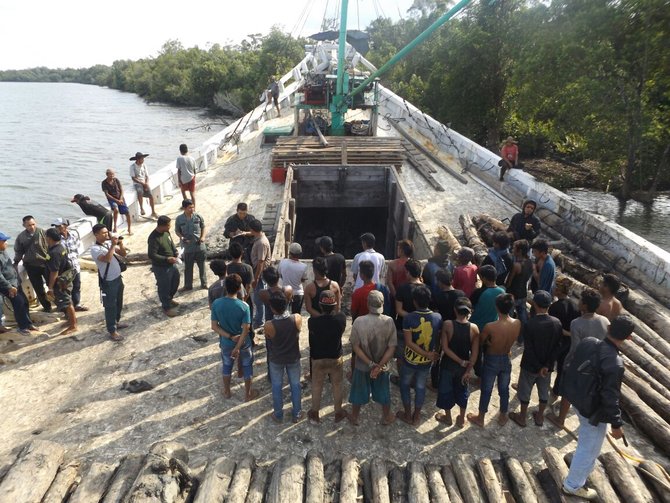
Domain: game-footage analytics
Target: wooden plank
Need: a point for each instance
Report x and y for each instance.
(535, 483)
(417, 490)
(521, 486)
(380, 481)
(463, 466)
(259, 482)
(288, 480)
(652, 473)
(349, 483)
(315, 480)
(239, 486)
(63, 484)
(645, 419)
(215, 480)
(123, 478)
(32, 473)
(559, 471)
(93, 484)
(397, 484)
(451, 484)
(624, 478)
(492, 485)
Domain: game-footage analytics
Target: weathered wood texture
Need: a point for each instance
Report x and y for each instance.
(379, 481)
(33, 472)
(522, 489)
(239, 486)
(288, 480)
(350, 489)
(215, 480)
(258, 485)
(63, 484)
(451, 484)
(659, 480)
(315, 490)
(531, 475)
(123, 478)
(651, 397)
(438, 490)
(463, 466)
(397, 484)
(472, 238)
(559, 471)
(417, 487)
(492, 485)
(645, 419)
(598, 480)
(445, 234)
(93, 483)
(624, 478)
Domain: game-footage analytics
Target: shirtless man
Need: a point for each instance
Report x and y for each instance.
(610, 307)
(496, 341)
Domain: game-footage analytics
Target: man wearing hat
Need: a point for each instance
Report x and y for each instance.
(10, 287)
(325, 349)
(542, 334)
(70, 240)
(140, 176)
(93, 209)
(373, 339)
(190, 227)
(293, 273)
(510, 156)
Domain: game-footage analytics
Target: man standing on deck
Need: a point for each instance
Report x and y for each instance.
(104, 253)
(186, 173)
(595, 412)
(294, 273)
(111, 187)
(163, 256)
(72, 243)
(525, 225)
(61, 274)
(10, 287)
(368, 253)
(544, 273)
(31, 247)
(190, 227)
(140, 176)
(260, 260)
(337, 266)
(237, 228)
(93, 209)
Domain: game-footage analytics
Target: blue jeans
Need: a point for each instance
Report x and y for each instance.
(407, 373)
(112, 301)
(167, 282)
(20, 308)
(247, 357)
(277, 382)
(495, 367)
(76, 289)
(259, 308)
(589, 443)
(451, 390)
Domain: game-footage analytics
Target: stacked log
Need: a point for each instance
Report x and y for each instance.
(445, 234)
(472, 238)
(33, 472)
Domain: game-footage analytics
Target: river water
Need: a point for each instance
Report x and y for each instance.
(58, 140)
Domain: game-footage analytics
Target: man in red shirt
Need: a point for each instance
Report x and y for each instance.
(359, 299)
(510, 156)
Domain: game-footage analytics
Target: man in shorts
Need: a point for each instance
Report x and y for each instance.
(186, 173)
(373, 337)
(61, 274)
(111, 187)
(140, 177)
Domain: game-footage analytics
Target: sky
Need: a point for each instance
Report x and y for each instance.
(83, 33)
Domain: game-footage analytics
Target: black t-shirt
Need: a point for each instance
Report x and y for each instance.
(325, 335)
(404, 294)
(566, 311)
(445, 301)
(336, 265)
(245, 271)
(92, 208)
(58, 259)
(508, 260)
(541, 336)
(113, 188)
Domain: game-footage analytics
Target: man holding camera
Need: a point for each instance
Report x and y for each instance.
(109, 276)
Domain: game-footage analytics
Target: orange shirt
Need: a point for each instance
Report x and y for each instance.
(510, 152)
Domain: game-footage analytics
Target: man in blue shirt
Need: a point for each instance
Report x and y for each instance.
(231, 320)
(544, 273)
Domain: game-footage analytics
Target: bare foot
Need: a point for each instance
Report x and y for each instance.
(387, 421)
(253, 394)
(416, 418)
(405, 418)
(460, 421)
(227, 394)
(353, 420)
(475, 419)
(339, 416)
(503, 418)
(68, 330)
(516, 417)
(538, 419)
(444, 419)
(555, 420)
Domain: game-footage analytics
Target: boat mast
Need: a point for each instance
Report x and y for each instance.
(338, 106)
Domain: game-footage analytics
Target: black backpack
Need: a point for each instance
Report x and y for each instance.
(581, 386)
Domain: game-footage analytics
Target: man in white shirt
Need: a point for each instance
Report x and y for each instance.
(293, 273)
(186, 173)
(368, 253)
(111, 281)
(140, 176)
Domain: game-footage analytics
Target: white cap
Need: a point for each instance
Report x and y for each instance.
(59, 222)
(295, 249)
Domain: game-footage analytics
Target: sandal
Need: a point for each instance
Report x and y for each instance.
(444, 419)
